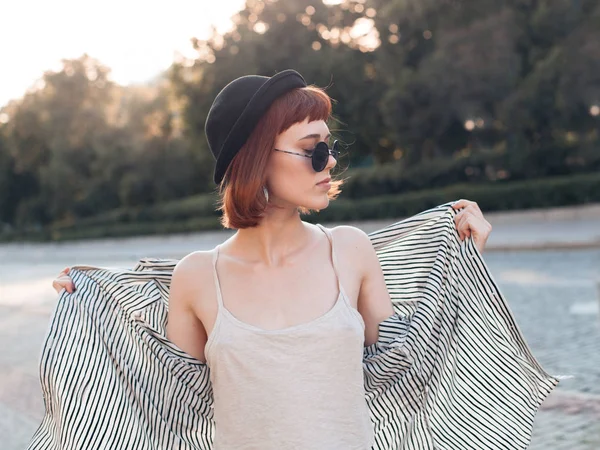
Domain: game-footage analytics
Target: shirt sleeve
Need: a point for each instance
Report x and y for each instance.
(109, 376)
(450, 368)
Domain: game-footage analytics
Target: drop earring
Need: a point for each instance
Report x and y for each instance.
(266, 192)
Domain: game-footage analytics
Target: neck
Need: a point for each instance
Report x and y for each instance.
(281, 233)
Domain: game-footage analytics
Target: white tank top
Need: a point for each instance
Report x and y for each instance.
(299, 388)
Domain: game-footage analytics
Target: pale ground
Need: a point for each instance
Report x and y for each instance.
(547, 264)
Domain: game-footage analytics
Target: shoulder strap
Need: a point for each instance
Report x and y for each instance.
(333, 256)
(216, 277)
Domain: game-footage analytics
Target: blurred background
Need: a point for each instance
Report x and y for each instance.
(103, 158)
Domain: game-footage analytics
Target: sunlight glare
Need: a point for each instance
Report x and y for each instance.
(136, 39)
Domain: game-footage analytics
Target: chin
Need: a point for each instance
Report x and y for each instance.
(318, 204)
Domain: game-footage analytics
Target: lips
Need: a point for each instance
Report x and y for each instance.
(326, 180)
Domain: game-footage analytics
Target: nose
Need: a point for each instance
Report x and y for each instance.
(331, 162)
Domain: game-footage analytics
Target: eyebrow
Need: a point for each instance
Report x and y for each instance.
(314, 136)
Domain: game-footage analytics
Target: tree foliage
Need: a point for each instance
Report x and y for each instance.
(414, 81)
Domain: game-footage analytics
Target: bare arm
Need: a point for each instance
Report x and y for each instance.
(374, 302)
(184, 328)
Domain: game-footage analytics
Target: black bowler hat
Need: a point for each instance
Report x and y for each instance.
(237, 109)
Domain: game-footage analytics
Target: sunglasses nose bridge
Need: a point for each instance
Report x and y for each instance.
(331, 160)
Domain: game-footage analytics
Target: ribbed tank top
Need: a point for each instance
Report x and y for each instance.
(299, 387)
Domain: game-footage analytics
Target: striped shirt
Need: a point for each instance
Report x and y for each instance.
(450, 368)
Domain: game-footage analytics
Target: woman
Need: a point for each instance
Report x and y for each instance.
(283, 311)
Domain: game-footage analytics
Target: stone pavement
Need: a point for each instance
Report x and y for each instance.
(547, 264)
(567, 421)
(535, 229)
(554, 296)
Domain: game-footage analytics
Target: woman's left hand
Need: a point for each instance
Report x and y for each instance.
(470, 222)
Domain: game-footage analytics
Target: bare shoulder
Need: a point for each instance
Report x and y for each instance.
(352, 237)
(354, 245)
(193, 266)
(192, 284)
(192, 274)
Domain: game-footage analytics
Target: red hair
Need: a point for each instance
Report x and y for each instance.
(241, 191)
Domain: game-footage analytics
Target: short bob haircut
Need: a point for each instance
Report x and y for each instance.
(241, 198)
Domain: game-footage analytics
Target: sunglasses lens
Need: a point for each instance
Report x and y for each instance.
(320, 156)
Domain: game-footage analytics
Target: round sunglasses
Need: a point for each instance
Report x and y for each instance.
(319, 155)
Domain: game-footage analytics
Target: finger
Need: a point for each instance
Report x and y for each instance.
(459, 215)
(63, 282)
(460, 227)
(67, 282)
(464, 225)
(460, 233)
(468, 205)
(474, 208)
(57, 287)
(473, 232)
(462, 203)
(68, 285)
(458, 222)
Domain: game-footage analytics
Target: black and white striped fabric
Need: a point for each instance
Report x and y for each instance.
(450, 369)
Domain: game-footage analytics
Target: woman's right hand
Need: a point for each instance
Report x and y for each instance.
(63, 281)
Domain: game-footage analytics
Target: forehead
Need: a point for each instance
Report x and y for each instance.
(301, 129)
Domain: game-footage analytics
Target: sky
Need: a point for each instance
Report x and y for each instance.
(136, 39)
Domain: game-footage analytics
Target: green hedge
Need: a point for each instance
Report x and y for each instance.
(198, 213)
(495, 166)
(544, 193)
(185, 209)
